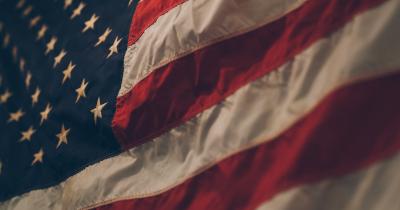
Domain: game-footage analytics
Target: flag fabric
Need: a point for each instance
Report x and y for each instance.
(197, 104)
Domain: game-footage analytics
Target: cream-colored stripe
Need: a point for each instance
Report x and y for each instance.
(193, 25)
(374, 188)
(254, 114)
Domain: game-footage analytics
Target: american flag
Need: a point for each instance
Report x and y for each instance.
(198, 104)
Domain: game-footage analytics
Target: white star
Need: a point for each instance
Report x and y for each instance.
(35, 96)
(97, 110)
(114, 47)
(34, 21)
(38, 157)
(89, 24)
(27, 11)
(21, 64)
(6, 40)
(28, 80)
(5, 96)
(59, 57)
(27, 135)
(42, 32)
(67, 72)
(50, 45)
(14, 53)
(44, 115)
(81, 90)
(129, 3)
(103, 37)
(20, 4)
(78, 10)
(16, 116)
(67, 3)
(62, 136)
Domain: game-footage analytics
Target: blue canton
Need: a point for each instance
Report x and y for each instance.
(61, 65)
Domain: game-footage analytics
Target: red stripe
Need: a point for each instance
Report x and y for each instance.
(146, 14)
(185, 87)
(350, 129)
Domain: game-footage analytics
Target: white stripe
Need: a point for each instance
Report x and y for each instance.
(254, 114)
(375, 188)
(194, 25)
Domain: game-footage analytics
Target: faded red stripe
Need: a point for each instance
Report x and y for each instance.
(350, 129)
(187, 86)
(146, 14)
